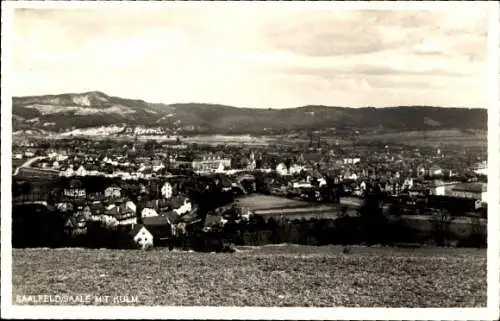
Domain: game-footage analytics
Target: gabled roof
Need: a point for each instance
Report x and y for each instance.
(316, 157)
(172, 217)
(114, 211)
(136, 229)
(158, 203)
(75, 183)
(177, 201)
(97, 209)
(160, 220)
(212, 220)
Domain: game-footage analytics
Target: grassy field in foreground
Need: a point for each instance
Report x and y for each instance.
(284, 275)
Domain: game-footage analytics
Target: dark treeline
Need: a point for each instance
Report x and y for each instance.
(349, 231)
(41, 227)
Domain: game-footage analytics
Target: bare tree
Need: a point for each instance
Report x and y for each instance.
(478, 233)
(442, 226)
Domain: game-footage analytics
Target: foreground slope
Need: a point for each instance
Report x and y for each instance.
(285, 275)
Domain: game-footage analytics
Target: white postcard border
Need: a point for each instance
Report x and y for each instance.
(91, 312)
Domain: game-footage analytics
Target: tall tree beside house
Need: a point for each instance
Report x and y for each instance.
(395, 209)
(373, 222)
(262, 184)
(259, 163)
(150, 145)
(272, 162)
(288, 163)
(442, 227)
(478, 234)
(26, 188)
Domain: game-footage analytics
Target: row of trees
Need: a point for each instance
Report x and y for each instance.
(371, 226)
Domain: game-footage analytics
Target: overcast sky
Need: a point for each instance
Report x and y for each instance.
(255, 58)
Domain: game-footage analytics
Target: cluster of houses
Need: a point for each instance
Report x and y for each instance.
(395, 168)
(150, 219)
(398, 185)
(132, 167)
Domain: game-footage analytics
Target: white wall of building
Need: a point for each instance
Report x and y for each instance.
(439, 190)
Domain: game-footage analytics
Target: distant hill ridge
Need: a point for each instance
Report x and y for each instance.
(91, 109)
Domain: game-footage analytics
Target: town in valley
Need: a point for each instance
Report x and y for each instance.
(248, 157)
(169, 180)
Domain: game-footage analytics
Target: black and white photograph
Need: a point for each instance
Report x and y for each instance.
(281, 157)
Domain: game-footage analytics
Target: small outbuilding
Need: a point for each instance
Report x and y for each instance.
(141, 236)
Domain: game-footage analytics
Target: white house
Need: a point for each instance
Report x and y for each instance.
(421, 170)
(301, 185)
(481, 169)
(108, 220)
(158, 167)
(321, 182)
(296, 169)
(55, 165)
(435, 170)
(220, 168)
(68, 172)
(408, 183)
(184, 208)
(252, 164)
(352, 176)
(124, 213)
(124, 175)
(166, 190)
(439, 189)
(64, 206)
(81, 171)
(351, 160)
(112, 191)
(142, 237)
(130, 205)
(94, 173)
(61, 158)
(281, 169)
(149, 212)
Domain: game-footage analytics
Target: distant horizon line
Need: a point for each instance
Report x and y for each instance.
(240, 107)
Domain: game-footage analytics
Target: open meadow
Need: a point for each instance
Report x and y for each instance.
(260, 202)
(279, 275)
(435, 138)
(272, 206)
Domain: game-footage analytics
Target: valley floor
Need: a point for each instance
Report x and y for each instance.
(278, 275)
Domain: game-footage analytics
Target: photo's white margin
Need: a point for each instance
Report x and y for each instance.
(86, 312)
(493, 94)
